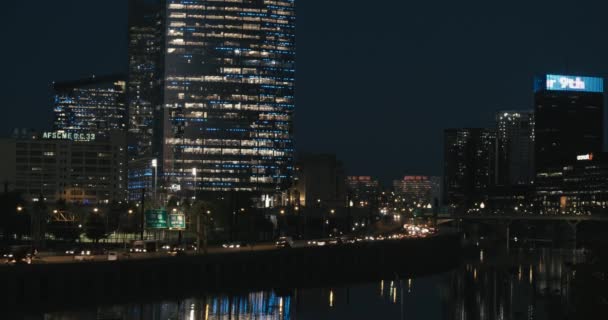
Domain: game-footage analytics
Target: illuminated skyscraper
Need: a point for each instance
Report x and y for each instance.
(570, 167)
(145, 77)
(94, 105)
(569, 119)
(228, 89)
(515, 142)
(229, 94)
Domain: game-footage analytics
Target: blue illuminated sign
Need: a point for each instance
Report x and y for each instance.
(554, 82)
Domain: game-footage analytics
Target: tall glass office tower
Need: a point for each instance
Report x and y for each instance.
(228, 95)
(145, 77)
(94, 105)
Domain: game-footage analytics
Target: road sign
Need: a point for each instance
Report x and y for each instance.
(156, 219)
(177, 221)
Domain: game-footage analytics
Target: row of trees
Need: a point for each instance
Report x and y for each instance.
(227, 216)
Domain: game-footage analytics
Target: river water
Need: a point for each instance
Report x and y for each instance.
(520, 284)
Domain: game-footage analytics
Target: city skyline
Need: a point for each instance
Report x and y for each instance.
(428, 45)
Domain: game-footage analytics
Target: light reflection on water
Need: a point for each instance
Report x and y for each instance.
(525, 285)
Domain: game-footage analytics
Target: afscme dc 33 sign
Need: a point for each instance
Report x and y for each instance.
(553, 82)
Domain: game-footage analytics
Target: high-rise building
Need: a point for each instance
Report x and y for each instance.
(144, 87)
(228, 95)
(80, 168)
(568, 119)
(320, 181)
(469, 164)
(362, 190)
(93, 105)
(418, 189)
(570, 166)
(579, 188)
(515, 143)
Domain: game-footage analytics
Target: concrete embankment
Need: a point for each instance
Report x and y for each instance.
(59, 286)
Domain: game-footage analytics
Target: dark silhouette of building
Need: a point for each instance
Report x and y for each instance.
(515, 148)
(469, 164)
(320, 181)
(362, 190)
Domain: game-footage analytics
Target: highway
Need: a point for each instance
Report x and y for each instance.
(54, 258)
(122, 255)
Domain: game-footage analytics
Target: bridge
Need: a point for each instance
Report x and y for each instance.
(535, 217)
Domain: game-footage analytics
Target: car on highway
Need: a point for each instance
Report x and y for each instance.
(284, 242)
(233, 245)
(348, 239)
(20, 258)
(20, 254)
(112, 256)
(84, 255)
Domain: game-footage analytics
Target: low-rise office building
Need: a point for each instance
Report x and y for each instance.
(80, 168)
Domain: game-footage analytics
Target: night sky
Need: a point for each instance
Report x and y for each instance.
(378, 81)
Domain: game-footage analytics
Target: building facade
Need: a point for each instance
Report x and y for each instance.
(569, 119)
(580, 188)
(571, 169)
(515, 148)
(469, 164)
(418, 189)
(228, 96)
(144, 86)
(363, 191)
(79, 169)
(320, 182)
(95, 105)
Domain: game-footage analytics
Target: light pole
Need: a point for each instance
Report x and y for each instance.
(194, 174)
(154, 165)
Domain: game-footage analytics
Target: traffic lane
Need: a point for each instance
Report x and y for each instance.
(121, 255)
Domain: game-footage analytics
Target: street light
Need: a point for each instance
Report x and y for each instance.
(19, 208)
(154, 165)
(194, 174)
(95, 210)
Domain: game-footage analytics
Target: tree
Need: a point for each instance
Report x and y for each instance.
(15, 219)
(65, 230)
(95, 227)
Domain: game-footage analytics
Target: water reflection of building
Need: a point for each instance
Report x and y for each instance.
(258, 305)
(532, 285)
(526, 284)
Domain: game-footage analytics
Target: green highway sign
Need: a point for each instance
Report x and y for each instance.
(156, 219)
(177, 221)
